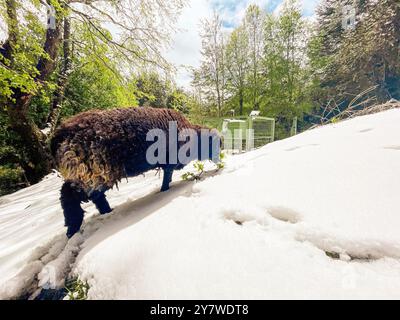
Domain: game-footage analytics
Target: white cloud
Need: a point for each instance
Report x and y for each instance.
(309, 7)
(233, 12)
(186, 44)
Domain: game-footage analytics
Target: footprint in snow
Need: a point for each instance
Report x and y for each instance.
(366, 130)
(284, 214)
(392, 148)
(301, 147)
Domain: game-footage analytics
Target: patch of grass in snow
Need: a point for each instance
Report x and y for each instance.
(334, 120)
(350, 258)
(333, 255)
(199, 167)
(190, 176)
(77, 289)
(221, 163)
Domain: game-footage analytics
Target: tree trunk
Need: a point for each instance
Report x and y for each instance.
(241, 102)
(34, 140)
(40, 160)
(58, 97)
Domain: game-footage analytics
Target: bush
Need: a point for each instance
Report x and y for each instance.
(77, 289)
(11, 180)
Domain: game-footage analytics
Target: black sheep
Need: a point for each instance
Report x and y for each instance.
(94, 150)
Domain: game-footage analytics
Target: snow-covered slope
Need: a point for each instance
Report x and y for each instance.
(314, 216)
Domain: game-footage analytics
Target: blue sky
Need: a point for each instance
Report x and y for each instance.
(186, 46)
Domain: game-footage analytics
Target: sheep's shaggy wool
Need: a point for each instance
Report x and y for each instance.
(94, 147)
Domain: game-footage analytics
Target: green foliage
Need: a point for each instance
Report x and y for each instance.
(199, 167)
(43, 71)
(284, 55)
(12, 155)
(347, 62)
(77, 289)
(254, 23)
(95, 81)
(334, 120)
(11, 179)
(286, 67)
(210, 122)
(211, 77)
(19, 71)
(190, 176)
(221, 163)
(266, 67)
(179, 101)
(237, 51)
(95, 86)
(152, 90)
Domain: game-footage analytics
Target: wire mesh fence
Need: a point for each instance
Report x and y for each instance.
(246, 133)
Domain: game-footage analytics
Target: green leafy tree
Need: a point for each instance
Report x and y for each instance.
(356, 61)
(179, 100)
(285, 63)
(212, 74)
(152, 90)
(237, 64)
(254, 24)
(36, 61)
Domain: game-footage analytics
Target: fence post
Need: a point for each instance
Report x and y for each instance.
(273, 131)
(293, 131)
(250, 135)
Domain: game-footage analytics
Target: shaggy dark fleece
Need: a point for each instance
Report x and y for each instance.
(94, 150)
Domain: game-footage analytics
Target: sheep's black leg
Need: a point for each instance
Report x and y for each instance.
(71, 198)
(167, 178)
(99, 199)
